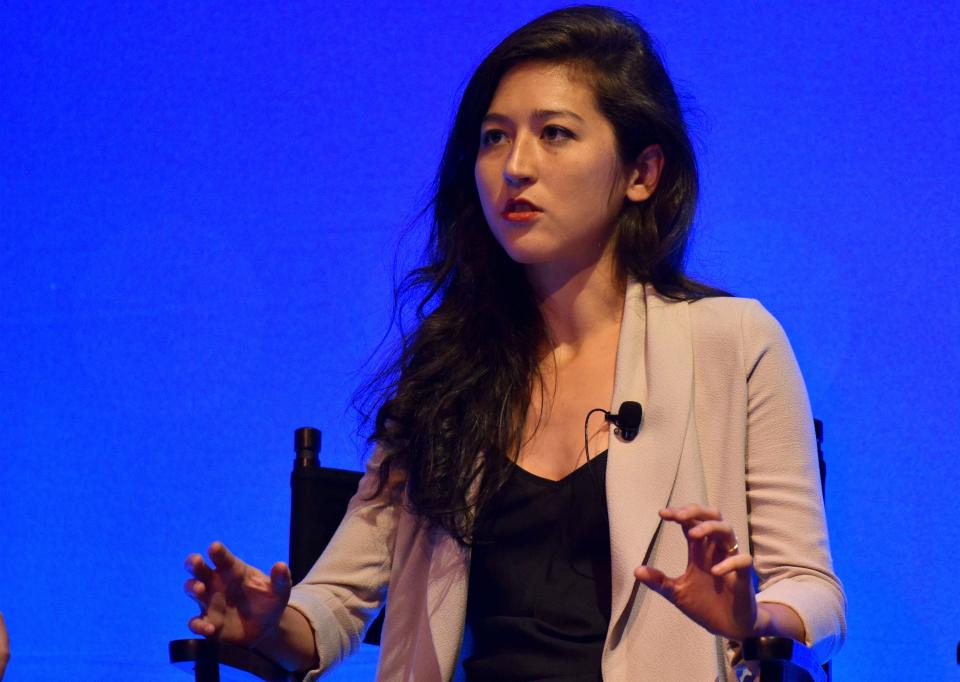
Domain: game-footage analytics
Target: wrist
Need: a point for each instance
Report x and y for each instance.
(289, 642)
(761, 625)
(778, 620)
(270, 633)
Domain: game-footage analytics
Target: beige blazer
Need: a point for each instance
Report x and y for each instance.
(726, 422)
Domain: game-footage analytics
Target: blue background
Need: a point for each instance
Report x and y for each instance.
(199, 209)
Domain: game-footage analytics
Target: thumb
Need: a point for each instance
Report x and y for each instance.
(655, 579)
(280, 579)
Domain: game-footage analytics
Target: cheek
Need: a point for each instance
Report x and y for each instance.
(587, 190)
(487, 187)
(606, 187)
(482, 187)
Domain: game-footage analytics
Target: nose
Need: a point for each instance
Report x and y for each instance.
(519, 168)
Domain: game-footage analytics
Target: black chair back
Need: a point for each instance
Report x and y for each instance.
(318, 502)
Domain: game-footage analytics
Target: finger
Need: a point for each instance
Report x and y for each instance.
(197, 591)
(671, 514)
(688, 516)
(720, 530)
(711, 542)
(737, 562)
(202, 627)
(280, 579)
(690, 512)
(655, 579)
(197, 567)
(224, 560)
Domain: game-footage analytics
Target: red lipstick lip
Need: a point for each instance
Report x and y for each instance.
(520, 205)
(520, 211)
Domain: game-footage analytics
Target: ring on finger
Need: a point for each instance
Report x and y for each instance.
(734, 548)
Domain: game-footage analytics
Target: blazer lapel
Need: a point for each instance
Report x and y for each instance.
(446, 603)
(655, 368)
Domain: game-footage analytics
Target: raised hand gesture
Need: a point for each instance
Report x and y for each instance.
(716, 590)
(238, 603)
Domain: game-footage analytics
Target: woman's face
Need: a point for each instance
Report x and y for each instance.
(548, 174)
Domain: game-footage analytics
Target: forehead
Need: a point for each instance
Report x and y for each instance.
(544, 85)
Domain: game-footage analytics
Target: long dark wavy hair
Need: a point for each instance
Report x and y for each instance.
(452, 406)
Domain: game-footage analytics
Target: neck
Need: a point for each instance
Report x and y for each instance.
(578, 305)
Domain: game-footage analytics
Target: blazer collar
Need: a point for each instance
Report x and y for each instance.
(655, 368)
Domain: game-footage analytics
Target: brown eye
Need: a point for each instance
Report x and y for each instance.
(556, 133)
(491, 137)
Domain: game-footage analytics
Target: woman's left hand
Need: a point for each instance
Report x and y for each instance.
(716, 590)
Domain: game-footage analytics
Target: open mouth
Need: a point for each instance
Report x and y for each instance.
(520, 210)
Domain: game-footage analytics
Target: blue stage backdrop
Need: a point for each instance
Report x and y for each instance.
(199, 211)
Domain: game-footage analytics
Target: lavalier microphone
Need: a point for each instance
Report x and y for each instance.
(627, 420)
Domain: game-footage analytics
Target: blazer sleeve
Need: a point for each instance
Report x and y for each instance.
(788, 532)
(345, 588)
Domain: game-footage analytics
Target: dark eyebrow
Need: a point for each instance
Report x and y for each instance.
(494, 117)
(550, 113)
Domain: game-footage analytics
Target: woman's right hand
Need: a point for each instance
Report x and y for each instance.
(238, 603)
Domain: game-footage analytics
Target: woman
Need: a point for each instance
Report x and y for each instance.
(555, 281)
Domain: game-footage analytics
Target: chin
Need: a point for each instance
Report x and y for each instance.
(521, 246)
(524, 256)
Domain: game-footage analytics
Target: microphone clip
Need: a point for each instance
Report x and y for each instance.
(627, 420)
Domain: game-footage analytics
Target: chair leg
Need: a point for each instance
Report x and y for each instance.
(206, 667)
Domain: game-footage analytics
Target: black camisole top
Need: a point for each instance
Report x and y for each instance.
(538, 604)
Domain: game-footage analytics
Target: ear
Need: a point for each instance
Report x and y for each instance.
(644, 173)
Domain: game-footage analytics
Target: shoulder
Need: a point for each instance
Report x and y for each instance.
(728, 327)
(746, 316)
(721, 328)
(728, 318)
